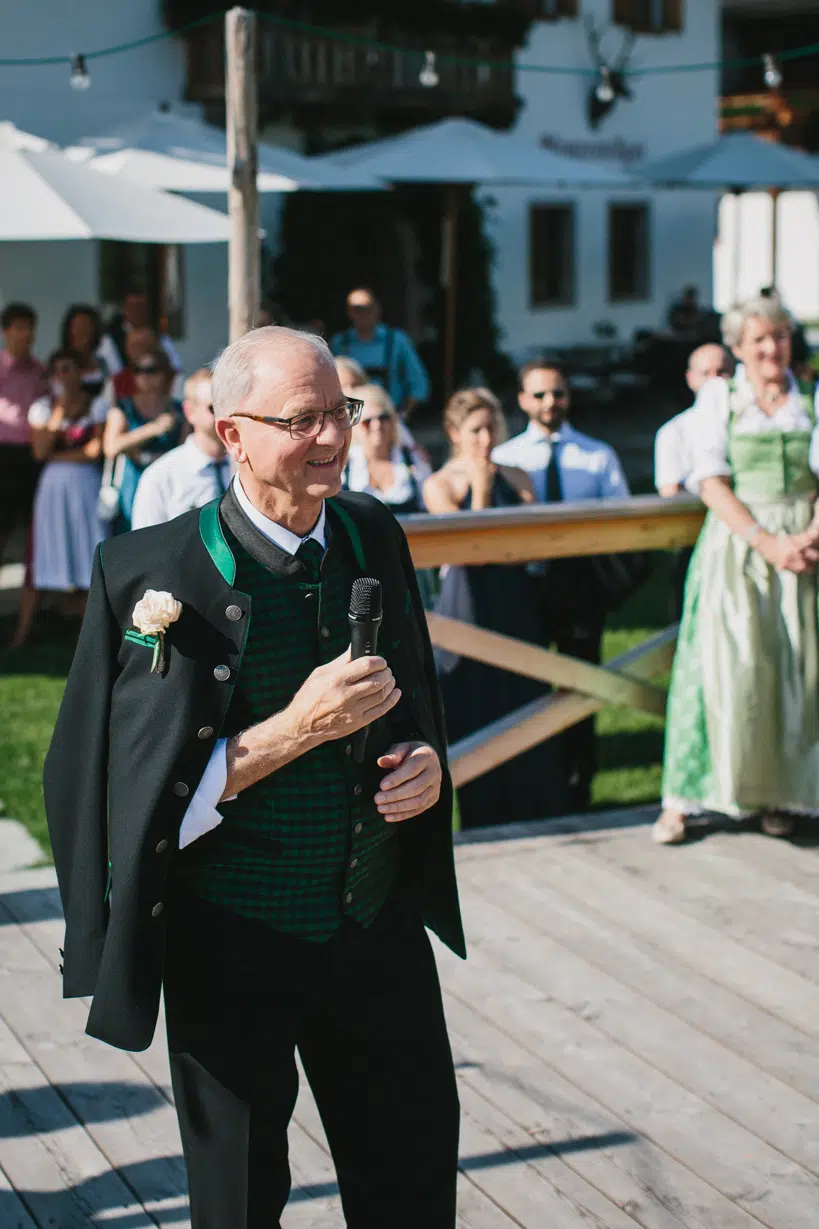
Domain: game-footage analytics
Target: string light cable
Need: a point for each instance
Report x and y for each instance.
(432, 61)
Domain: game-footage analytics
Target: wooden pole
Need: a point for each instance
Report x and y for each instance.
(775, 195)
(450, 269)
(241, 103)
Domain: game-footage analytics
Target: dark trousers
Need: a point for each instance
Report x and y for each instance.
(364, 1011)
(572, 622)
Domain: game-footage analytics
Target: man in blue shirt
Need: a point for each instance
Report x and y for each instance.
(565, 464)
(386, 354)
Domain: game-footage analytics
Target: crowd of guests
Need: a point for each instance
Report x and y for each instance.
(99, 442)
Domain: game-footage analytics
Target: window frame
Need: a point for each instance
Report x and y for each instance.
(644, 294)
(568, 209)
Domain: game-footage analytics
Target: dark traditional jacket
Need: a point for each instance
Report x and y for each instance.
(130, 748)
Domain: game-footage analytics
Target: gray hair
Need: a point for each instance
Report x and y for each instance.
(235, 371)
(735, 320)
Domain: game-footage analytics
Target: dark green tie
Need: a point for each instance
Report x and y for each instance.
(554, 486)
(310, 554)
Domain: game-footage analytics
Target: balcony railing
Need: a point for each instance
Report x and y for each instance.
(297, 69)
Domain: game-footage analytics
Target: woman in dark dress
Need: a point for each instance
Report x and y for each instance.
(497, 597)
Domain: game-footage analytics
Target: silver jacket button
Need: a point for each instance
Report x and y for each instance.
(157, 909)
(205, 732)
(181, 790)
(234, 613)
(162, 846)
(222, 674)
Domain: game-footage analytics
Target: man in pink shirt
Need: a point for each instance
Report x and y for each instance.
(22, 381)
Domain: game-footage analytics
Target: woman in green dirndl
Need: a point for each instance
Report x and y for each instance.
(742, 735)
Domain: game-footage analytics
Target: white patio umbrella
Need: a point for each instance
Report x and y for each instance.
(455, 152)
(12, 137)
(183, 154)
(738, 162)
(46, 196)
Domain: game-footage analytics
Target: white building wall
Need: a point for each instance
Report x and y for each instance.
(667, 113)
(743, 253)
(124, 87)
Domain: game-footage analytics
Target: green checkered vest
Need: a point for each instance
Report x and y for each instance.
(304, 847)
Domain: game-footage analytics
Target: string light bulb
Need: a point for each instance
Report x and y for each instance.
(605, 90)
(80, 78)
(773, 74)
(428, 75)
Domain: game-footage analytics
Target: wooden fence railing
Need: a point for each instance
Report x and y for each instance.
(517, 535)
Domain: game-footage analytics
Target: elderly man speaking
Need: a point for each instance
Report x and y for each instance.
(214, 833)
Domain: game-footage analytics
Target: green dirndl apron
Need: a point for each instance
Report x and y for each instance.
(742, 732)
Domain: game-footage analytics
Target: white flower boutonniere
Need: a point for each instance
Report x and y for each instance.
(153, 615)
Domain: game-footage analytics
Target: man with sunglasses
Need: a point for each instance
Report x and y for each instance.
(218, 835)
(192, 474)
(564, 464)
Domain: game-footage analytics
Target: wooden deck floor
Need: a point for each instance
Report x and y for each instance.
(636, 1034)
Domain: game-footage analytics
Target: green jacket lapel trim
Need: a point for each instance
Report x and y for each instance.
(352, 532)
(210, 531)
(138, 638)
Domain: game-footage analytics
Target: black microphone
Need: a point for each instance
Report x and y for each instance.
(365, 619)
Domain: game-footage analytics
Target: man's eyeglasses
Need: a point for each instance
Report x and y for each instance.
(381, 418)
(311, 424)
(559, 394)
(150, 370)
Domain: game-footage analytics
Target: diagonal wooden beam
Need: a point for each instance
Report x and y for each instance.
(515, 733)
(494, 649)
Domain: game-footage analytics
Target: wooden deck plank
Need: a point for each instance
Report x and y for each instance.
(131, 1123)
(13, 1212)
(596, 1143)
(774, 1112)
(712, 1146)
(491, 1140)
(477, 1211)
(686, 939)
(644, 966)
(769, 915)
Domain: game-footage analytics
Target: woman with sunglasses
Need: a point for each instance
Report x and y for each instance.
(144, 427)
(378, 463)
(66, 438)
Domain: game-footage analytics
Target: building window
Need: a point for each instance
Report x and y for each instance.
(629, 252)
(551, 255)
(649, 16)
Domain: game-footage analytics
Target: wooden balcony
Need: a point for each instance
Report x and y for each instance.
(304, 72)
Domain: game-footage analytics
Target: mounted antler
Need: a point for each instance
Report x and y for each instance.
(612, 82)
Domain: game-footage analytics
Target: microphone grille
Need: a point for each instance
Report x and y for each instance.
(365, 598)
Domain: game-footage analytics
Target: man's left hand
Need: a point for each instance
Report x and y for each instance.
(413, 785)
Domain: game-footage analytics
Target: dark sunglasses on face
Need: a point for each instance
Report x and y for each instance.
(559, 394)
(150, 370)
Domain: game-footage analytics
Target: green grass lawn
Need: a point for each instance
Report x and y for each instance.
(31, 683)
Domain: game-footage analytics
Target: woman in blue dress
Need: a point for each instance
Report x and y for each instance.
(143, 428)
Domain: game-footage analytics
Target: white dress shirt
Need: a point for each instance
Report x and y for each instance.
(673, 452)
(184, 478)
(402, 489)
(711, 415)
(589, 469)
(202, 814)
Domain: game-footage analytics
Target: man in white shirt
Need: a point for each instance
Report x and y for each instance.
(565, 464)
(672, 448)
(192, 474)
(674, 453)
